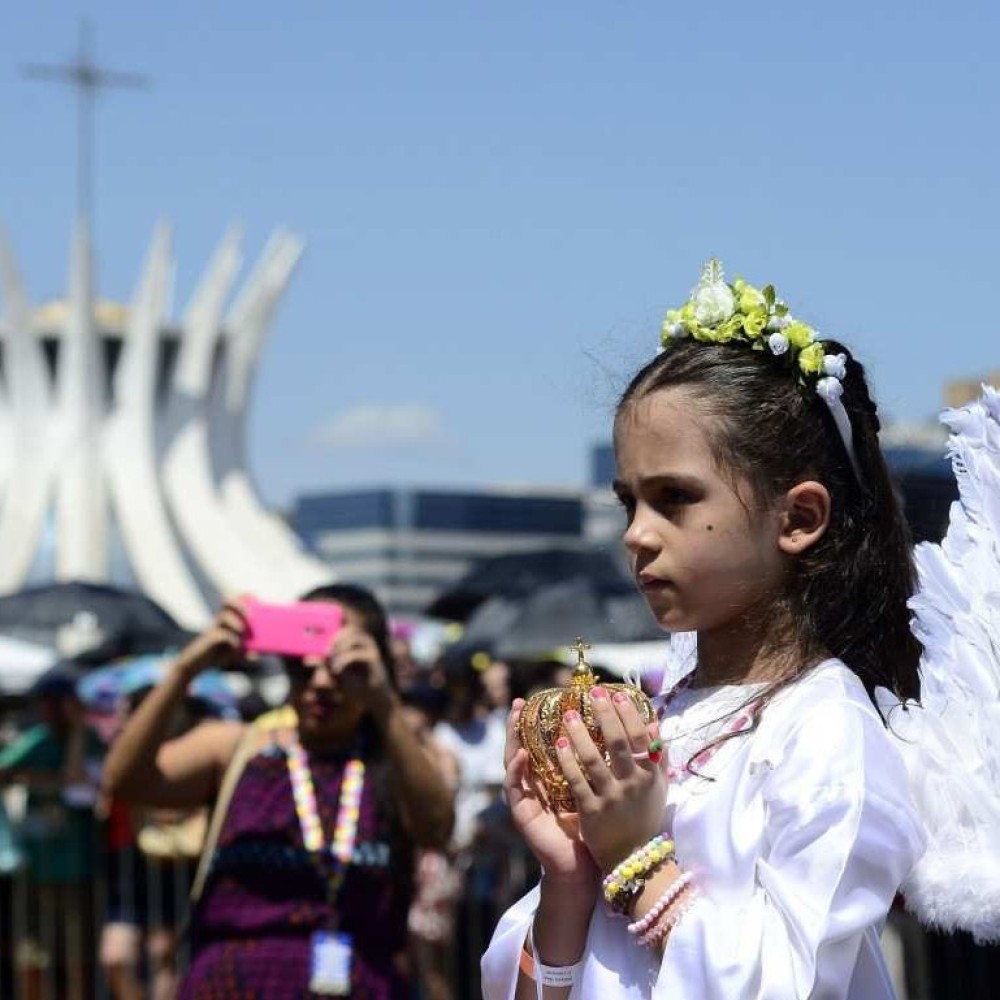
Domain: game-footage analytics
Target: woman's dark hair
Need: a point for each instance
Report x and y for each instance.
(848, 592)
(376, 624)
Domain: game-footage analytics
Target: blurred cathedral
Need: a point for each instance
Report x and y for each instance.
(122, 429)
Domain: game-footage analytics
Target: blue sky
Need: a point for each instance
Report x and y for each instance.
(500, 200)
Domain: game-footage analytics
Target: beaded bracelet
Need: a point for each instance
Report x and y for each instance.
(658, 933)
(659, 907)
(627, 878)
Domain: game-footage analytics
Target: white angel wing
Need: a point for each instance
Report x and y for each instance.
(951, 741)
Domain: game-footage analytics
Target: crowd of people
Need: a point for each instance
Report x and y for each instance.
(99, 855)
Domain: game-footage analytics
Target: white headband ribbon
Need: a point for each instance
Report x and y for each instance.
(830, 389)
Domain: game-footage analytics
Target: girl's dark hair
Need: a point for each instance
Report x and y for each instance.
(376, 623)
(848, 592)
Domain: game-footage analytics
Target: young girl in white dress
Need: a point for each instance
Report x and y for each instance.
(759, 858)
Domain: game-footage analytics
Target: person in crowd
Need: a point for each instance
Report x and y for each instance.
(58, 761)
(437, 884)
(405, 666)
(121, 936)
(11, 862)
(496, 681)
(474, 733)
(755, 851)
(320, 808)
(152, 853)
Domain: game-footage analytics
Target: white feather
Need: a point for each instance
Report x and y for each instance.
(951, 741)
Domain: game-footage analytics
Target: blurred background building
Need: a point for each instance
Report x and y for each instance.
(410, 544)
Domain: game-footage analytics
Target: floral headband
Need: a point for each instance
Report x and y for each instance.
(720, 313)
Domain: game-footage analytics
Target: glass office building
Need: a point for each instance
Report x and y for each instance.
(409, 544)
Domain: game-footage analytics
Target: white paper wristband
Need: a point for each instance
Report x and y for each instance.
(549, 975)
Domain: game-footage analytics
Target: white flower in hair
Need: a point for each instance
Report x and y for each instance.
(835, 365)
(712, 301)
(776, 322)
(713, 305)
(778, 343)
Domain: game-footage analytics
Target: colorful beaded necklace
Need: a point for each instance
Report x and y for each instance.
(345, 830)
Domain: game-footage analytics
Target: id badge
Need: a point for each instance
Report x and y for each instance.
(330, 973)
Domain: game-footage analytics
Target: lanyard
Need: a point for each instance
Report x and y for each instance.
(345, 832)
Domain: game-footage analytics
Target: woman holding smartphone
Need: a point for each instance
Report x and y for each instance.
(322, 804)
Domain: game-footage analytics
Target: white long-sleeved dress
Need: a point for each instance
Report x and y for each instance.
(797, 846)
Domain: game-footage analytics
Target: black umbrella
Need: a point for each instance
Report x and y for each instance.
(521, 628)
(60, 679)
(521, 574)
(91, 622)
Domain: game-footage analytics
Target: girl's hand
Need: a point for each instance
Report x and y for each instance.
(357, 666)
(620, 807)
(220, 645)
(553, 838)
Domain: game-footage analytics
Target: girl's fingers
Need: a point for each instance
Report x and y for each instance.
(513, 744)
(583, 752)
(633, 723)
(515, 775)
(641, 735)
(519, 782)
(616, 738)
(637, 729)
(585, 796)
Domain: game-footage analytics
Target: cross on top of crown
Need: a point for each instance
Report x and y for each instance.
(580, 648)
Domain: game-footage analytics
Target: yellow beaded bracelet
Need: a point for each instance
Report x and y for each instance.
(625, 880)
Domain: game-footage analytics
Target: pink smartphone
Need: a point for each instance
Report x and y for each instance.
(303, 629)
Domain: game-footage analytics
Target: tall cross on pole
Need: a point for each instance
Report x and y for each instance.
(89, 80)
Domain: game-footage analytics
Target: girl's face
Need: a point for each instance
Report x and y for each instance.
(326, 706)
(701, 554)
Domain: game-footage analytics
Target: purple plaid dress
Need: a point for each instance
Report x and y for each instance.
(264, 898)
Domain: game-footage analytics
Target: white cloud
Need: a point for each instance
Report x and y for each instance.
(383, 426)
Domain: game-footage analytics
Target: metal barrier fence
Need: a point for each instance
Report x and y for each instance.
(90, 940)
(97, 939)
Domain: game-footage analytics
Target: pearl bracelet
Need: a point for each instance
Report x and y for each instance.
(658, 933)
(673, 890)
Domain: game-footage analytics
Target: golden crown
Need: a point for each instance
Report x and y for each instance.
(541, 724)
